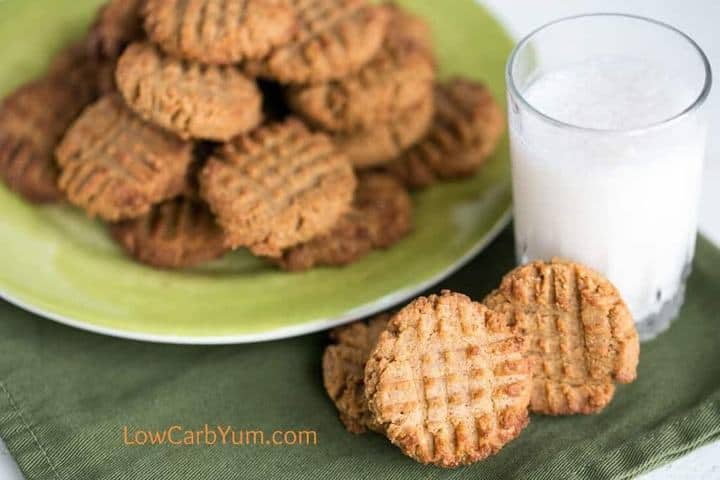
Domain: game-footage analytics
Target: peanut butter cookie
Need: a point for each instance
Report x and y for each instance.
(399, 77)
(75, 66)
(381, 216)
(334, 38)
(116, 25)
(411, 26)
(33, 119)
(467, 128)
(581, 335)
(219, 31)
(448, 381)
(178, 233)
(343, 368)
(116, 166)
(187, 98)
(277, 186)
(383, 143)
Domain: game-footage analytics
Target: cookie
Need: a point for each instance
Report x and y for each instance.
(383, 143)
(411, 26)
(347, 242)
(381, 216)
(116, 25)
(219, 31)
(581, 335)
(277, 186)
(116, 166)
(399, 77)
(74, 66)
(343, 370)
(467, 128)
(187, 98)
(334, 38)
(178, 233)
(448, 382)
(33, 119)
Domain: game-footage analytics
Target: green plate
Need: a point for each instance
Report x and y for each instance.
(59, 264)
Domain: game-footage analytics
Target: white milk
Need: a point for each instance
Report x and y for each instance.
(622, 203)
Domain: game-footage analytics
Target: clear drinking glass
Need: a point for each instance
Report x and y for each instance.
(608, 132)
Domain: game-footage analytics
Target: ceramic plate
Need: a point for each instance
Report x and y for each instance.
(59, 264)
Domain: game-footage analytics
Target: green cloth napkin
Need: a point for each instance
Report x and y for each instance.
(66, 396)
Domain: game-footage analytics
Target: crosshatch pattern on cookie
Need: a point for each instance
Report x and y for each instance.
(380, 216)
(177, 233)
(334, 38)
(219, 31)
(277, 186)
(188, 98)
(581, 334)
(467, 127)
(397, 78)
(448, 381)
(380, 144)
(116, 166)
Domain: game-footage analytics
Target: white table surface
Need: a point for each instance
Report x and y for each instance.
(700, 19)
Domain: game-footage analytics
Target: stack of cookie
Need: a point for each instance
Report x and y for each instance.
(292, 128)
(451, 381)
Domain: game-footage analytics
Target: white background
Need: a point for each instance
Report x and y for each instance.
(700, 19)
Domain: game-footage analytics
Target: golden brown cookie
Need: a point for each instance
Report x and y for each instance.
(343, 368)
(381, 216)
(178, 233)
(116, 25)
(347, 242)
(219, 31)
(448, 381)
(277, 186)
(334, 38)
(381, 144)
(399, 77)
(116, 166)
(411, 26)
(467, 128)
(581, 335)
(33, 119)
(187, 98)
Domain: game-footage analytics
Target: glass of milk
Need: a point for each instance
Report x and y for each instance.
(608, 131)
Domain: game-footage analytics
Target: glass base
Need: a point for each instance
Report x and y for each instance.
(653, 325)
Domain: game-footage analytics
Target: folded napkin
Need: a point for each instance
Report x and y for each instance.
(77, 406)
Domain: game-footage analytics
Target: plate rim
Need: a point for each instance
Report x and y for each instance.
(281, 333)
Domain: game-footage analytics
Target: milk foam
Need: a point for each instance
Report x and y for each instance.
(610, 94)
